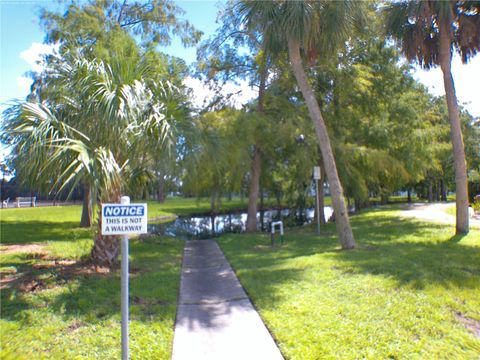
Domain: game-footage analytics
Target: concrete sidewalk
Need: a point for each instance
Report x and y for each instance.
(215, 318)
(435, 212)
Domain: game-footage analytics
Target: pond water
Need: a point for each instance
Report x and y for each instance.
(208, 226)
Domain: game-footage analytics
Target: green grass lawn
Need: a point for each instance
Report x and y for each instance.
(171, 207)
(186, 206)
(56, 227)
(63, 311)
(451, 210)
(410, 291)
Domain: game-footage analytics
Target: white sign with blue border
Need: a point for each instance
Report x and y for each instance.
(118, 219)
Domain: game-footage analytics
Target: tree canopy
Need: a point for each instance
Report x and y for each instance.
(112, 114)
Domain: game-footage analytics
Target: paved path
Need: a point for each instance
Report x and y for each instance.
(435, 212)
(215, 318)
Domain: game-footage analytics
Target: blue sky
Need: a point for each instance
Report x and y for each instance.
(20, 28)
(21, 38)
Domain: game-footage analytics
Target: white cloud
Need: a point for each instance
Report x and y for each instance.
(24, 83)
(466, 78)
(202, 95)
(243, 92)
(34, 55)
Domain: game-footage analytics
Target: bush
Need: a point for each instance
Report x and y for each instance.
(476, 206)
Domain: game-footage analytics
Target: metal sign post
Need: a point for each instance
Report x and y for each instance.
(123, 219)
(124, 289)
(317, 176)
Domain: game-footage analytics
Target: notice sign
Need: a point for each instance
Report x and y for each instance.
(118, 219)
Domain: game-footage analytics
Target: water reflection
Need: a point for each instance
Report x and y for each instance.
(204, 227)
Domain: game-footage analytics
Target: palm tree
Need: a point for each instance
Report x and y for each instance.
(256, 166)
(311, 28)
(429, 31)
(96, 135)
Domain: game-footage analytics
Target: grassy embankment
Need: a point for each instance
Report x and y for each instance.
(53, 305)
(409, 291)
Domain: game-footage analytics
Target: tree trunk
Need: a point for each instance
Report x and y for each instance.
(430, 191)
(444, 190)
(383, 199)
(86, 220)
(409, 196)
(251, 224)
(161, 189)
(106, 248)
(214, 203)
(445, 55)
(342, 221)
(212, 224)
(360, 204)
(262, 210)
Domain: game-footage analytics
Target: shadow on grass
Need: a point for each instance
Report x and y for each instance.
(29, 232)
(456, 238)
(154, 281)
(414, 254)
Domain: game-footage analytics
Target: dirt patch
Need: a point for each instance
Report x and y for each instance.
(135, 272)
(7, 281)
(57, 271)
(137, 300)
(8, 271)
(262, 247)
(471, 324)
(37, 256)
(54, 264)
(32, 284)
(24, 248)
(75, 325)
(71, 267)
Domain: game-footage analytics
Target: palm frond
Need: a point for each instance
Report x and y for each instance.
(98, 130)
(415, 25)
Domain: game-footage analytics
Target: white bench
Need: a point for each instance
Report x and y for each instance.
(26, 201)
